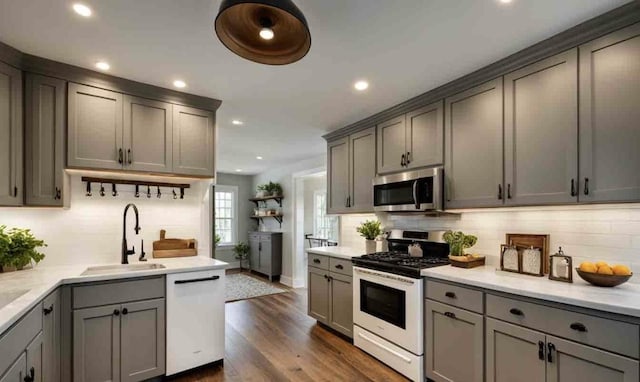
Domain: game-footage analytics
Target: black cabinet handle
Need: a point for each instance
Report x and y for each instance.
(516, 312)
(339, 266)
(15, 191)
(573, 187)
(550, 349)
(408, 160)
(32, 375)
(316, 261)
(450, 315)
(586, 186)
(541, 350)
(120, 156)
(578, 327)
(125, 311)
(212, 278)
(499, 192)
(402, 161)
(450, 294)
(47, 311)
(58, 194)
(129, 156)
(509, 191)
(349, 201)
(116, 312)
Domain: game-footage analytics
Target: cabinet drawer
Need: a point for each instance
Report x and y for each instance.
(117, 292)
(318, 261)
(341, 266)
(461, 297)
(616, 336)
(16, 339)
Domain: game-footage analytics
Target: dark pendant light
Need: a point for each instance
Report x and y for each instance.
(272, 32)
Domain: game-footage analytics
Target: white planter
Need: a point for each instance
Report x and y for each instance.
(370, 246)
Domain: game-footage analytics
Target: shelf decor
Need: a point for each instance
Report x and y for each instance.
(137, 183)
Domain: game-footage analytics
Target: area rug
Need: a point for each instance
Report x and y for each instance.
(241, 287)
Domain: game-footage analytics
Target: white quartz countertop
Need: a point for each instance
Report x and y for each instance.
(32, 285)
(623, 299)
(340, 252)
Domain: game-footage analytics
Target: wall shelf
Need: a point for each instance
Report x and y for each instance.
(277, 199)
(278, 218)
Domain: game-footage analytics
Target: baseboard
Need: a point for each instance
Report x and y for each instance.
(286, 280)
(298, 283)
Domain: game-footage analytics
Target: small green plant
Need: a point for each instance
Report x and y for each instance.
(271, 189)
(458, 242)
(218, 239)
(22, 246)
(370, 229)
(241, 250)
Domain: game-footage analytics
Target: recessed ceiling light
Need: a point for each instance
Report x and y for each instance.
(259, 158)
(236, 122)
(238, 170)
(361, 85)
(103, 65)
(179, 84)
(82, 9)
(505, 1)
(266, 33)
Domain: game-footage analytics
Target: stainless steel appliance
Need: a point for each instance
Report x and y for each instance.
(420, 190)
(388, 299)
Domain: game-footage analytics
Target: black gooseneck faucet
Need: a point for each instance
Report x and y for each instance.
(125, 250)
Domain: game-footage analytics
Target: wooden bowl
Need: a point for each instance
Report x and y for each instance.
(601, 280)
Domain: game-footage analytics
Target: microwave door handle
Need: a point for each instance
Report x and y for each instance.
(415, 195)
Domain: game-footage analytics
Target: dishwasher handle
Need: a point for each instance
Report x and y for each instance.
(212, 278)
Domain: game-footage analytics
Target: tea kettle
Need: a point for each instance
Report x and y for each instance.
(415, 250)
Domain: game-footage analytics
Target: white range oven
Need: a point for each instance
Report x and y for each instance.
(388, 319)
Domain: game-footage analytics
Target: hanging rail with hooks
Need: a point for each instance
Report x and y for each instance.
(137, 184)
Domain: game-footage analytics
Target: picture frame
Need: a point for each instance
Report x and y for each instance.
(561, 267)
(510, 267)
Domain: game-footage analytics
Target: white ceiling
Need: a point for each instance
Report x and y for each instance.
(403, 47)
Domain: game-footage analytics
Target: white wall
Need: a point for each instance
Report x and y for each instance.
(90, 231)
(311, 185)
(285, 176)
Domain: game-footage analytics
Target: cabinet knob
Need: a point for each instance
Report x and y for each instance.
(120, 154)
(125, 311)
(550, 349)
(58, 194)
(578, 327)
(499, 192)
(402, 161)
(450, 294)
(31, 376)
(450, 315)
(47, 311)
(408, 156)
(339, 266)
(541, 350)
(573, 187)
(129, 156)
(316, 261)
(516, 312)
(509, 191)
(116, 312)
(586, 186)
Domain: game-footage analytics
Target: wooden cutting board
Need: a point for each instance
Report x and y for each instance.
(523, 241)
(174, 247)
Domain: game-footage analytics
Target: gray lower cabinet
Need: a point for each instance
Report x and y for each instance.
(454, 343)
(341, 305)
(11, 137)
(96, 344)
(17, 372)
(265, 254)
(193, 141)
(319, 294)
(541, 132)
(609, 115)
(338, 176)
(45, 129)
(148, 135)
(35, 354)
(51, 337)
(142, 340)
(474, 147)
(21, 349)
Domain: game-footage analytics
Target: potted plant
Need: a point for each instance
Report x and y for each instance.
(261, 191)
(22, 249)
(218, 239)
(241, 251)
(370, 230)
(458, 242)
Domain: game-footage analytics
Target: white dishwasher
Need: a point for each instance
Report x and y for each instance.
(195, 319)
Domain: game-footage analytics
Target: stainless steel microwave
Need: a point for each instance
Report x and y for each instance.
(420, 190)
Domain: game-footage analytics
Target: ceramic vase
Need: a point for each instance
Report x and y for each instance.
(370, 246)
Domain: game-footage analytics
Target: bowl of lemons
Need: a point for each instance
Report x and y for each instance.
(603, 274)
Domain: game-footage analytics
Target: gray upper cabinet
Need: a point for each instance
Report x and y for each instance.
(338, 176)
(609, 115)
(474, 147)
(96, 344)
(148, 135)
(45, 128)
(142, 340)
(425, 136)
(94, 128)
(392, 152)
(541, 132)
(51, 337)
(362, 170)
(193, 141)
(11, 139)
(513, 353)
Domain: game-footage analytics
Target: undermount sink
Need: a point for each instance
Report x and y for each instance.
(121, 268)
(7, 298)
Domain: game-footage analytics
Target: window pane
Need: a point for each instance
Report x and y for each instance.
(225, 216)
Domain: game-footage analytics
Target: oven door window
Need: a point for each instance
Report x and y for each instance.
(383, 302)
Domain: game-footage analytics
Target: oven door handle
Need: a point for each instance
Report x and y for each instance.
(381, 346)
(415, 194)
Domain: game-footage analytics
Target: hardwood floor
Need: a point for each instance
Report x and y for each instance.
(271, 338)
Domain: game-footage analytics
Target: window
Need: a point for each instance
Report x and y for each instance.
(323, 226)
(226, 214)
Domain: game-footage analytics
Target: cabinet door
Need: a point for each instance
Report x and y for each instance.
(362, 167)
(514, 354)
(51, 327)
(35, 353)
(95, 128)
(572, 362)
(44, 140)
(265, 255)
(96, 344)
(473, 147)
(609, 115)
(425, 136)
(341, 313)
(142, 326)
(193, 141)
(338, 176)
(254, 252)
(318, 304)
(148, 135)
(452, 335)
(10, 136)
(391, 145)
(17, 372)
(541, 132)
